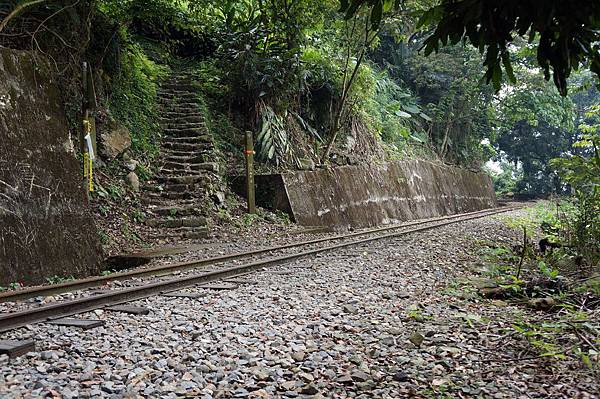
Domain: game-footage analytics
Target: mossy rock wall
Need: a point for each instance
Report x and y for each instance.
(45, 225)
(371, 195)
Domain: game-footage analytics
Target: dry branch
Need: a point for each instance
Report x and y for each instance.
(18, 10)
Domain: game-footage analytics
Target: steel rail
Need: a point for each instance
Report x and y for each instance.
(95, 281)
(11, 321)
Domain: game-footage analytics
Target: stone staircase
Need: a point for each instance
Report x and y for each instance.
(179, 197)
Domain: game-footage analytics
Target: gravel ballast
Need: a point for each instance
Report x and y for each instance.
(384, 320)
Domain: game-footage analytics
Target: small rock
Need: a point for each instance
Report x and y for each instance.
(131, 164)
(306, 377)
(360, 376)
(400, 376)
(133, 181)
(350, 309)
(107, 386)
(47, 355)
(298, 356)
(542, 303)
(366, 385)
(310, 390)
(261, 375)
(219, 197)
(288, 385)
(416, 338)
(345, 379)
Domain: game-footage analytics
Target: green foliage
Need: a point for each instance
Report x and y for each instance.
(416, 314)
(15, 286)
(249, 219)
(533, 125)
(505, 182)
(59, 280)
(126, 231)
(568, 33)
(582, 173)
(548, 337)
(283, 217)
(394, 113)
(114, 191)
(272, 141)
(543, 338)
(104, 238)
(133, 99)
(166, 22)
(138, 215)
(260, 47)
(541, 214)
(144, 173)
(458, 105)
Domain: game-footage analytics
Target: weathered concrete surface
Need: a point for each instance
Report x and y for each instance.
(45, 226)
(370, 195)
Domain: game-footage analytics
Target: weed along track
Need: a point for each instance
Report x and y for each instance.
(223, 270)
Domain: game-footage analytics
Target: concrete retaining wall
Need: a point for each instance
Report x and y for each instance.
(45, 226)
(371, 195)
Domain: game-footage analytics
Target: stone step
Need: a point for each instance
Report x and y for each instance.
(189, 167)
(200, 156)
(176, 114)
(186, 104)
(183, 76)
(172, 187)
(179, 173)
(183, 118)
(160, 202)
(179, 85)
(190, 233)
(168, 103)
(186, 139)
(200, 146)
(196, 158)
(181, 109)
(174, 124)
(177, 98)
(201, 143)
(177, 222)
(170, 195)
(198, 178)
(192, 147)
(171, 93)
(189, 210)
(196, 131)
(182, 167)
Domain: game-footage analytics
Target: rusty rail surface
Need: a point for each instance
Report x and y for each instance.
(10, 321)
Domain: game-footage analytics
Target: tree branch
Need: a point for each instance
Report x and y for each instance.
(18, 10)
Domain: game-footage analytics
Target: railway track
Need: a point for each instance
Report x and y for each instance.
(45, 313)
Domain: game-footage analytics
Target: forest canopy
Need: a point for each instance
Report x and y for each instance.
(343, 81)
